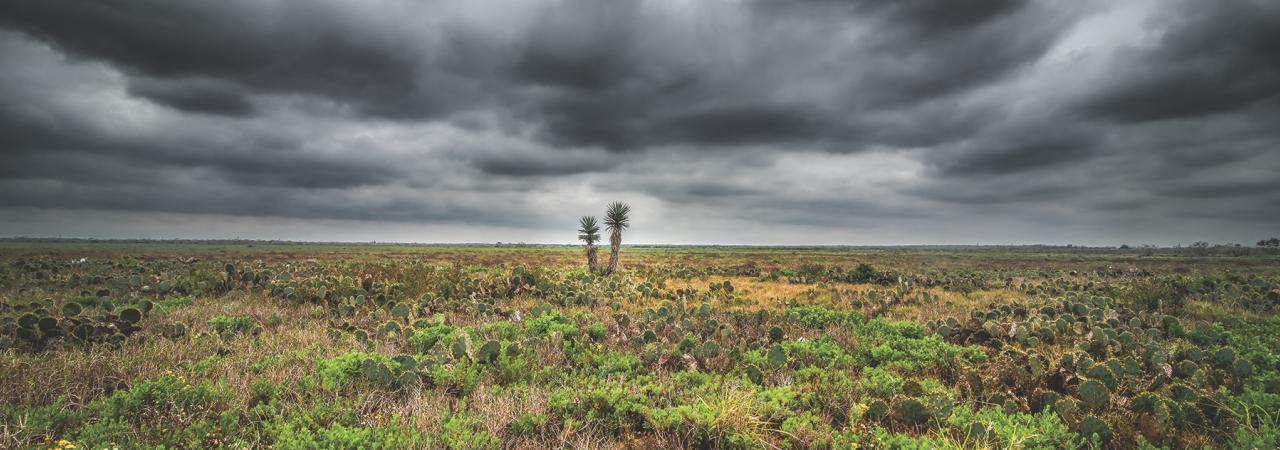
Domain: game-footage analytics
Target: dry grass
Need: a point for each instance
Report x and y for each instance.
(79, 375)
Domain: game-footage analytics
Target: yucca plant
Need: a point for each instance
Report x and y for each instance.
(616, 219)
(589, 232)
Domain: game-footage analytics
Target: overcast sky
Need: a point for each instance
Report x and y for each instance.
(734, 122)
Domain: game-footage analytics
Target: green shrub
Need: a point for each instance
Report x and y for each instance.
(882, 438)
(513, 364)
(425, 339)
(807, 430)
(262, 392)
(549, 323)
(992, 427)
(501, 330)
(173, 303)
(611, 407)
(778, 403)
(904, 346)
(300, 433)
(460, 378)
(527, 424)
(461, 431)
(607, 363)
(697, 420)
(345, 369)
(167, 393)
(879, 382)
(167, 410)
(597, 331)
(816, 353)
(864, 273)
(831, 392)
(40, 424)
(232, 325)
(1266, 436)
(819, 317)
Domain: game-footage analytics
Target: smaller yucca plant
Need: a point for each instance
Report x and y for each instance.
(589, 233)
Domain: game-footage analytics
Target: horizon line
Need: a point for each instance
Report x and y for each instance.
(51, 239)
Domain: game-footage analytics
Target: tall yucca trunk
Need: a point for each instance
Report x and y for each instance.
(591, 257)
(615, 241)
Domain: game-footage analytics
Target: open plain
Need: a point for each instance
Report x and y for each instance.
(261, 344)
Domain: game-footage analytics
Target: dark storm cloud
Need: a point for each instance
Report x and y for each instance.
(1012, 189)
(1016, 147)
(269, 47)
(1211, 57)
(196, 95)
(691, 190)
(245, 155)
(922, 17)
(740, 124)
(504, 162)
(615, 90)
(932, 17)
(585, 73)
(837, 115)
(580, 46)
(1225, 188)
(929, 50)
(208, 197)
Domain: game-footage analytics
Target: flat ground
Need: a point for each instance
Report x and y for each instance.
(191, 344)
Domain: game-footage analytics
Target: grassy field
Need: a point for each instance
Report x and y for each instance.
(255, 345)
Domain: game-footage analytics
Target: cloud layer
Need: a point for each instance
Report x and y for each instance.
(725, 121)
